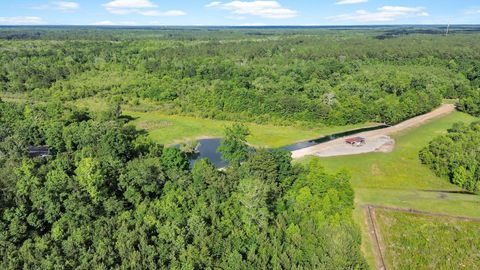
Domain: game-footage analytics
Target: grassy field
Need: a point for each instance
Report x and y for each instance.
(171, 129)
(399, 179)
(416, 241)
(168, 129)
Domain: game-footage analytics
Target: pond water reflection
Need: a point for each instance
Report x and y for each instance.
(208, 147)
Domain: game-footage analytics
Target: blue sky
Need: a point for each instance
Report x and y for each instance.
(245, 12)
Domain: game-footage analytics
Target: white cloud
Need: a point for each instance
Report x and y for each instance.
(170, 13)
(103, 23)
(64, 6)
(383, 14)
(116, 4)
(67, 6)
(110, 23)
(123, 7)
(350, 2)
(142, 7)
(472, 11)
(264, 9)
(213, 4)
(20, 20)
(173, 13)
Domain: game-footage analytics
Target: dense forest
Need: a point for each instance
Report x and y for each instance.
(107, 197)
(283, 76)
(456, 156)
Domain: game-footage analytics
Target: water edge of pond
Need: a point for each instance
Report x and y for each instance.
(207, 148)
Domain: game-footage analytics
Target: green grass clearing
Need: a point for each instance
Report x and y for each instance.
(416, 241)
(170, 129)
(399, 179)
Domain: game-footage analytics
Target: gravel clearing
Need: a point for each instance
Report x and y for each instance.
(376, 140)
(381, 143)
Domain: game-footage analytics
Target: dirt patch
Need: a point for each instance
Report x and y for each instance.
(387, 147)
(187, 139)
(149, 125)
(375, 170)
(442, 196)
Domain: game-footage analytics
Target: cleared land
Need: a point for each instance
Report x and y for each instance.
(422, 241)
(398, 179)
(377, 140)
(171, 129)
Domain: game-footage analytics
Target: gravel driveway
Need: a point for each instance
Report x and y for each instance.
(376, 140)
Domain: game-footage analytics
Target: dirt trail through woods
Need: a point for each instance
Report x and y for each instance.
(376, 140)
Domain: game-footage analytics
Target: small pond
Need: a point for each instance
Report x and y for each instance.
(208, 147)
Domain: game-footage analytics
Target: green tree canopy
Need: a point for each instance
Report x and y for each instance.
(234, 147)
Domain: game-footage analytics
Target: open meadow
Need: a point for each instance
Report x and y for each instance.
(171, 129)
(417, 241)
(399, 179)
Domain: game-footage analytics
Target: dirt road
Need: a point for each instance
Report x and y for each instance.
(376, 140)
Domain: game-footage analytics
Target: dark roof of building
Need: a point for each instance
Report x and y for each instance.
(38, 151)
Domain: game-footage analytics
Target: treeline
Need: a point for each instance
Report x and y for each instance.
(109, 198)
(263, 75)
(470, 103)
(456, 156)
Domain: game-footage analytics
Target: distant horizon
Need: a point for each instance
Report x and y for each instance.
(237, 26)
(238, 12)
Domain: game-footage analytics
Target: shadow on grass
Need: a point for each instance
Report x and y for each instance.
(451, 191)
(128, 118)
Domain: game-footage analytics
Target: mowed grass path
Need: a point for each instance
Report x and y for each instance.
(416, 241)
(399, 179)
